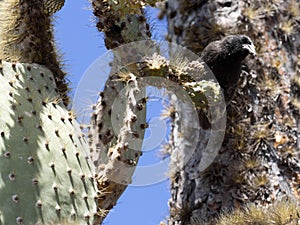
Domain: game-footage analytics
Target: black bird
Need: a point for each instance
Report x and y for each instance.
(224, 58)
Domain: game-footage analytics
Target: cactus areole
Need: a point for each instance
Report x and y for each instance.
(45, 174)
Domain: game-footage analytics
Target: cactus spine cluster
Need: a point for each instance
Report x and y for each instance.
(52, 6)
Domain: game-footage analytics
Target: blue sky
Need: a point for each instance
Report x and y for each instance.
(81, 44)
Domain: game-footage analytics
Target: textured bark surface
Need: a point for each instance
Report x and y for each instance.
(259, 158)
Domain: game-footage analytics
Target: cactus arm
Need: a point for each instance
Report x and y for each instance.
(26, 36)
(112, 151)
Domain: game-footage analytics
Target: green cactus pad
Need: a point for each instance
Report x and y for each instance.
(45, 174)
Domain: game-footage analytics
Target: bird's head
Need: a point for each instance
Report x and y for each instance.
(240, 44)
(247, 44)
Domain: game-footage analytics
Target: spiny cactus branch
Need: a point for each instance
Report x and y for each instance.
(105, 145)
(118, 25)
(26, 36)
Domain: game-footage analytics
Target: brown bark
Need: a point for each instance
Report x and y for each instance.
(259, 158)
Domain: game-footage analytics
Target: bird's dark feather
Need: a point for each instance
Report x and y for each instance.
(224, 58)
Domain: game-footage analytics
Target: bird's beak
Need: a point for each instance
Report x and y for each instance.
(250, 48)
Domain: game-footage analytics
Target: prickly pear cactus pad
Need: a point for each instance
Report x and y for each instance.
(45, 175)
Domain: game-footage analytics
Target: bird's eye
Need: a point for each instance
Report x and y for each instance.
(245, 40)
